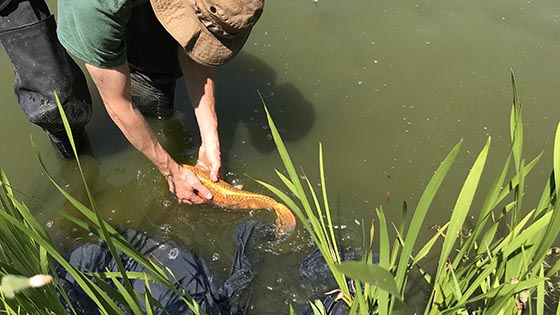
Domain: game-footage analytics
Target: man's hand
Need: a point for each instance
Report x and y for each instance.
(187, 187)
(209, 160)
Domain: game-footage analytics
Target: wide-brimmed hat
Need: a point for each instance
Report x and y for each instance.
(210, 31)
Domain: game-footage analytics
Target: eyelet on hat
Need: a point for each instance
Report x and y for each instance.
(210, 31)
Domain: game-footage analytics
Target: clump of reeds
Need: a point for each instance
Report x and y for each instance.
(484, 273)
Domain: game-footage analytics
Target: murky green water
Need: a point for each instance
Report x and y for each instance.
(388, 87)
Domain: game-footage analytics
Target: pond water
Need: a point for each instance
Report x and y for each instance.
(387, 87)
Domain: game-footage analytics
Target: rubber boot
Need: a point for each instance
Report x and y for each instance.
(154, 68)
(42, 66)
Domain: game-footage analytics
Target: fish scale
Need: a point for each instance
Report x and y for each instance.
(228, 196)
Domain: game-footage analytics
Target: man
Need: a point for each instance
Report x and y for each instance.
(133, 59)
(210, 32)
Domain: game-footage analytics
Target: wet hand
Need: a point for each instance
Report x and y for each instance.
(209, 160)
(186, 187)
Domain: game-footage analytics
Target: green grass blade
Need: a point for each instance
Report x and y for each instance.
(420, 214)
(327, 211)
(516, 125)
(423, 252)
(552, 229)
(369, 273)
(462, 206)
(384, 259)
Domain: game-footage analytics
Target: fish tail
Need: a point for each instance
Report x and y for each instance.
(285, 220)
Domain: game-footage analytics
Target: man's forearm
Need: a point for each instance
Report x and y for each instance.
(199, 81)
(114, 88)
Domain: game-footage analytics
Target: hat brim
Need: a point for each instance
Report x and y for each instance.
(181, 22)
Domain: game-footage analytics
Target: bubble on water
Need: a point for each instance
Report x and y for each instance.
(215, 257)
(165, 228)
(49, 224)
(235, 182)
(166, 203)
(173, 253)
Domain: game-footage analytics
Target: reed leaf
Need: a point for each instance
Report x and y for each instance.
(420, 214)
(462, 207)
(384, 262)
(369, 273)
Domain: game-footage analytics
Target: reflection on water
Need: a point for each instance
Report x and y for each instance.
(388, 87)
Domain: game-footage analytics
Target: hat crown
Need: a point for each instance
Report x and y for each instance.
(226, 18)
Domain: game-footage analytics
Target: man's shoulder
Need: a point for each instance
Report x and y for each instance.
(93, 30)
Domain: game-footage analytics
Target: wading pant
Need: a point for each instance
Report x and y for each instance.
(154, 67)
(42, 66)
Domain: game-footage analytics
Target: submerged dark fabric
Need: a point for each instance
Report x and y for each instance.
(191, 271)
(232, 297)
(316, 275)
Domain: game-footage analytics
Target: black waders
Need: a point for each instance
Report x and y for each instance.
(42, 66)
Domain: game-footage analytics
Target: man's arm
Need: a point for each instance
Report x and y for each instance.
(199, 81)
(114, 87)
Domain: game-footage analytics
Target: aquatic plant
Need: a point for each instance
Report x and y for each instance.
(481, 273)
(26, 249)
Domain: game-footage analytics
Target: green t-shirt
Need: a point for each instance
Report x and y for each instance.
(94, 30)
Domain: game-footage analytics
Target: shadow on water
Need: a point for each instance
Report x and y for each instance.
(292, 113)
(238, 103)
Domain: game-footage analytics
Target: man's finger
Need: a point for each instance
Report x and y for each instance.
(214, 174)
(202, 191)
(185, 201)
(196, 199)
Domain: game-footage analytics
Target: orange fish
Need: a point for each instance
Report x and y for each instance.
(228, 196)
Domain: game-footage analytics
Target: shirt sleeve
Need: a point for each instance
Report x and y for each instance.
(94, 30)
